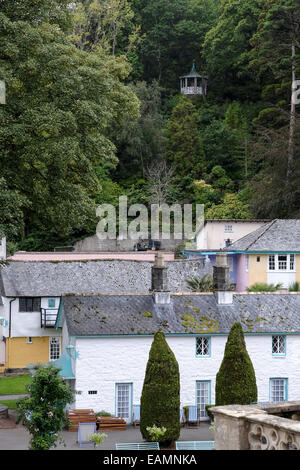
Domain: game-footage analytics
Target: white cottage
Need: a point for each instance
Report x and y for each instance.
(108, 339)
(30, 298)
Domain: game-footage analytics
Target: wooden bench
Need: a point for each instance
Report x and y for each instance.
(79, 416)
(195, 445)
(110, 423)
(137, 446)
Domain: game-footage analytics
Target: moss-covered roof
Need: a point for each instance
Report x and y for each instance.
(185, 314)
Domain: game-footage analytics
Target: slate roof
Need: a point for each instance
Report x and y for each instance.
(278, 235)
(55, 278)
(186, 314)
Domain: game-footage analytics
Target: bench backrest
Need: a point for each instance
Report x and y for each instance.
(193, 413)
(137, 412)
(195, 445)
(137, 446)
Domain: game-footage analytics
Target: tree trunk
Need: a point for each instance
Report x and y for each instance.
(290, 162)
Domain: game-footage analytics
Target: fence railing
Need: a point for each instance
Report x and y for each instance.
(48, 317)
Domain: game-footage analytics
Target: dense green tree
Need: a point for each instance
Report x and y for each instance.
(231, 207)
(160, 400)
(60, 101)
(11, 212)
(42, 412)
(184, 146)
(276, 61)
(235, 381)
(226, 48)
(222, 147)
(174, 32)
(141, 142)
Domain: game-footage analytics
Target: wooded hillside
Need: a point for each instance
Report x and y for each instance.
(94, 111)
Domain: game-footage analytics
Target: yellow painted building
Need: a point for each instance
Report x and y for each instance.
(31, 350)
(257, 268)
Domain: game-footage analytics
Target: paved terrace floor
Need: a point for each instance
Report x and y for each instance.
(18, 438)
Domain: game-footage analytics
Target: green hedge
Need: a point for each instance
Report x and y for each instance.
(235, 381)
(160, 400)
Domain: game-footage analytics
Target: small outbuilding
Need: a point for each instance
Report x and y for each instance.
(193, 83)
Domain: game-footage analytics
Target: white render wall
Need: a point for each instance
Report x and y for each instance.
(25, 324)
(212, 236)
(103, 362)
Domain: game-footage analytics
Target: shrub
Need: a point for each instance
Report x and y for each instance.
(160, 400)
(156, 433)
(263, 287)
(43, 411)
(102, 413)
(97, 438)
(201, 284)
(235, 381)
(209, 414)
(295, 287)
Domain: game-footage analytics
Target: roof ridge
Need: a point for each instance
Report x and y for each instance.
(259, 236)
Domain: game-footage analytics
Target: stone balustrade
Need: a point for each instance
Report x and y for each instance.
(272, 426)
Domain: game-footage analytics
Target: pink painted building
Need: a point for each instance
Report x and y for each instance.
(81, 256)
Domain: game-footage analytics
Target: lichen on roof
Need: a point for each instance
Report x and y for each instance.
(202, 324)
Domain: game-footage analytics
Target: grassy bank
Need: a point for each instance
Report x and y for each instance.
(14, 385)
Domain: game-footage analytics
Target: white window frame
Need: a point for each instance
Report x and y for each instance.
(53, 357)
(202, 347)
(203, 397)
(279, 382)
(278, 345)
(290, 261)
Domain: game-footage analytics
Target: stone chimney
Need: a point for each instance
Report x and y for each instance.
(3, 249)
(159, 281)
(221, 281)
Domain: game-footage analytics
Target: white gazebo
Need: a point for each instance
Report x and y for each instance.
(193, 83)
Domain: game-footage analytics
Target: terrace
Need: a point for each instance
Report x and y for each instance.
(265, 426)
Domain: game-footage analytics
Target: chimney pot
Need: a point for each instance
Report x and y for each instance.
(221, 280)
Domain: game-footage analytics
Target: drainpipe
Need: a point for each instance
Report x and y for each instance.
(10, 302)
(9, 332)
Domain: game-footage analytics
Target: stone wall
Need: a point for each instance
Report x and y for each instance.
(93, 243)
(257, 427)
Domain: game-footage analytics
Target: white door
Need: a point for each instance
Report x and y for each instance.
(203, 398)
(124, 401)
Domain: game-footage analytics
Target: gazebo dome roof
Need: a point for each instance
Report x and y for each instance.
(192, 73)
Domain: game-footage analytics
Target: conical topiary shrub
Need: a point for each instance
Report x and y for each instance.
(160, 400)
(235, 381)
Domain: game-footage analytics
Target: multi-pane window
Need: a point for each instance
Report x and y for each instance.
(281, 262)
(123, 400)
(54, 348)
(203, 346)
(278, 345)
(278, 390)
(271, 262)
(228, 228)
(203, 397)
(29, 304)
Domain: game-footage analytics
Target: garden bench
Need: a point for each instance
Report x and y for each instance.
(137, 446)
(195, 445)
